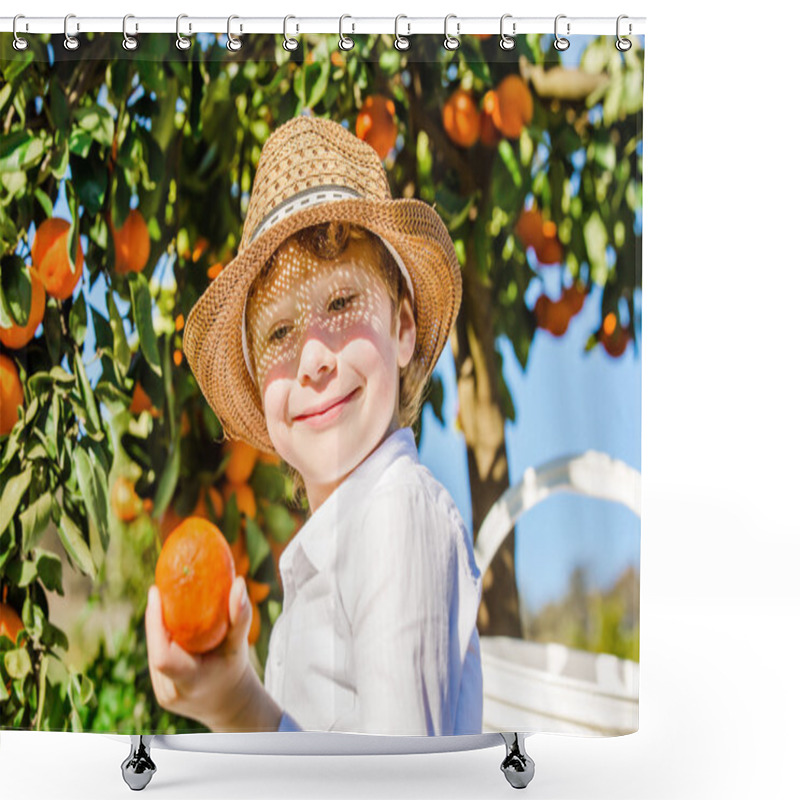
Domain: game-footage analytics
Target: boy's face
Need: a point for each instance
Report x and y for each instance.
(326, 356)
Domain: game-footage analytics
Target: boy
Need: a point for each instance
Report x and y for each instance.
(316, 343)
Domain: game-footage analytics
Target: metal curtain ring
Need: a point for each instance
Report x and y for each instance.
(401, 42)
(561, 43)
(345, 42)
(182, 43)
(289, 43)
(129, 42)
(19, 43)
(623, 45)
(70, 42)
(234, 42)
(450, 42)
(507, 42)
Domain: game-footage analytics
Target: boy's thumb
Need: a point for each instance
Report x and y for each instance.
(239, 602)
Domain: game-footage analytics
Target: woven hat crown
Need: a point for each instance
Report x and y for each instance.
(305, 154)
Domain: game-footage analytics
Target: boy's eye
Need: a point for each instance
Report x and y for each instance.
(341, 302)
(279, 333)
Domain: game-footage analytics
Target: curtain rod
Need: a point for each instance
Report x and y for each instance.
(456, 26)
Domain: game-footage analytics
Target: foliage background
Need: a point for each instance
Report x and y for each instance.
(177, 135)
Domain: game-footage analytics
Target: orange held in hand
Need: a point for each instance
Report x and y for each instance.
(11, 395)
(376, 124)
(50, 254)
(19, 335)
(194, 575)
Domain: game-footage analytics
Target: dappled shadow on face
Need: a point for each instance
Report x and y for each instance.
(304, 301)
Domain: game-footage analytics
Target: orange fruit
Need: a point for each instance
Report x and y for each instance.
(613, 336)
(169, 521)
(241, 560)
(461, 118)
(179, 323)
(574, 296)
(125, 503)
(214, 270)
(18, 336)
(241, 462)
(540, 234)
(550, 250)
(11, 395)
(558, 317)
(376, 124)
(50, 255)
(245, 498)
(131, 243)
(511, 106)
(194, 575)
(490, 136)
(140, 401)
(268, 457)
(10, 622)
(201, 509)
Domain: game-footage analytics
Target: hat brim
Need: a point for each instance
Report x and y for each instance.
(213, 334)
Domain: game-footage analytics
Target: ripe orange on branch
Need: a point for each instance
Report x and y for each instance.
(131, 243)
(511, 106)
(461, 118)
(376, 124)
(242, 460)
(50, 254)
(19, 335)
(194, 575)
(11, 395)
(10, 622)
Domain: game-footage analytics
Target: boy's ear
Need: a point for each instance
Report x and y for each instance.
(406, 333)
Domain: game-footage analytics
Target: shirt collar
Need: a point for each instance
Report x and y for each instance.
(316, 540)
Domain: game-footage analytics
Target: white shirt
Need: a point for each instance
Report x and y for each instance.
(381, 592)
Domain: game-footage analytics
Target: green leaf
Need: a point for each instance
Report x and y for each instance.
(20, 150)
(88, 402)
(230, 519)
(91, 482)
(77, 320)
(18, 663)
(73, 241)
(34, 520)
(122, 351)
(506, 152)
(48, 567)
(257, 546)
(143, 317)
(98, 122)
(44, 201)
(15, 487)
(15, 280)
(90, 178)
(279, 522)
(75, 545)
(168, 480)
(80, 142)
(21, 572)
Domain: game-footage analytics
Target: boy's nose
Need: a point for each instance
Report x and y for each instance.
(316, 357)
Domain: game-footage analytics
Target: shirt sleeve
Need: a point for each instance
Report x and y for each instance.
(404, 616)
(288, 723)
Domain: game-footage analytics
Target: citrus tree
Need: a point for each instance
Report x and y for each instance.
(105, 437)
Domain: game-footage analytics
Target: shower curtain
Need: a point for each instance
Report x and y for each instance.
(472, 567)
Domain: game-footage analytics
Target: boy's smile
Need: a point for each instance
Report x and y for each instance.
(327, 356)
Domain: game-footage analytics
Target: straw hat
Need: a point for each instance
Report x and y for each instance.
(311, 171)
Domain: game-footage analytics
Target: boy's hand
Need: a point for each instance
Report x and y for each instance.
(210, 687)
